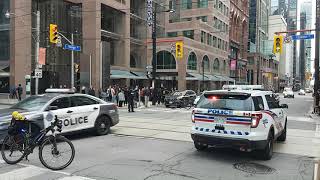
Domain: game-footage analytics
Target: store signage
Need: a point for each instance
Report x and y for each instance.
(233, 65)
(149, 12)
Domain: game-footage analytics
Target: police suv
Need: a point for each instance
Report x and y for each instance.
(76, 112)
(245, 120)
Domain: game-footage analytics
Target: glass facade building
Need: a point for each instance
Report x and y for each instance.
(4, 46)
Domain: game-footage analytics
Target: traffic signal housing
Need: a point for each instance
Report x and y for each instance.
(179, 49)
(277, 44)
(54, 33)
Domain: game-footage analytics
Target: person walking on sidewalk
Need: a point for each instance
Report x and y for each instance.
(20, 91)
(121, 98)
(146, 96)
(131, 95)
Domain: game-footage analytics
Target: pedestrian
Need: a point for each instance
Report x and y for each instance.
(20, 91)
(113, 95)
(91, 91)
(13, 92)
(121, 98)
(83, 90)
(126, 96)
(146, 97)
(131, 100)
(142, 95)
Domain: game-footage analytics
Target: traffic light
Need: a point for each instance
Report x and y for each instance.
(53, 33)
(277, 44)
(179, 49)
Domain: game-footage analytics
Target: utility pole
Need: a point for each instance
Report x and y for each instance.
(72, 63)
(37, 50)
(202, 75)
(316, 60)
(154, 51)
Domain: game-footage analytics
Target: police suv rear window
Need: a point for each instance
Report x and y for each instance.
(226, 101)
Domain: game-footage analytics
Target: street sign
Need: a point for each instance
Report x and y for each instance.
(287, 39)
(302, 37)
(149, 12)
(38, 73)
(72, 47)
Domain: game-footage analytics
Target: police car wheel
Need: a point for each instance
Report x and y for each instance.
(267, 152)
(283, 135)
(199, 146)
(102, 125)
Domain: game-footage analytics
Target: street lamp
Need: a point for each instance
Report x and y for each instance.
(154, 47)
(37, 40)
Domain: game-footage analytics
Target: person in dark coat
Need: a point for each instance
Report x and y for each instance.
(131, 95)
(20, 91)
(92, 91)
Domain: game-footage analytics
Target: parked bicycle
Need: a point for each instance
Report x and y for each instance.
(55, 151)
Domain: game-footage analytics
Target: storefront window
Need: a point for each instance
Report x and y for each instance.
(165, 60)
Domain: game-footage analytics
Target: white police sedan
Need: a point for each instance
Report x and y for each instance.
(76, 112)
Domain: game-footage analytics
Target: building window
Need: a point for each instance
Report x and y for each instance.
(185, 19)
(186, 4)
(224, 65)
(219, 43)
(165, 60)
(172, 34)
(192, 61)
(189, 34)
(214, 41)
(4, 45)
(203, 18)
(206, 63)
(202, 3)
(133, 63)
(203, 36)
(216, 64)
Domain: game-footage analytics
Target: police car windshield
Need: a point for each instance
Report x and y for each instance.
(226, 102)
(33, 103)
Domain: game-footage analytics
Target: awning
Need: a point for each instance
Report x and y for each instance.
(212, 77)
(141, 75)
(196, 77)
(225, 78)
(121, 74)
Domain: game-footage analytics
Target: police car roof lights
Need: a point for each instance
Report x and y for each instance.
(62, 91)
(243, 87)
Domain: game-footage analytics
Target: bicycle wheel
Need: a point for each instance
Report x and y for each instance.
(56, 153)
(12, 149)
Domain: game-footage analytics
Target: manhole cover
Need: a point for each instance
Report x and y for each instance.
(254, 168)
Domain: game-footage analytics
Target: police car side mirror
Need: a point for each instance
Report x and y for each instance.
(285, 106)
(51, 108)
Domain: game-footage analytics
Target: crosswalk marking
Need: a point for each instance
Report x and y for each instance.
(22, 173)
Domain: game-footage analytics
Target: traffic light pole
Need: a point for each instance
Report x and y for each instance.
(37, 50)
(316, 60)
(72, 64)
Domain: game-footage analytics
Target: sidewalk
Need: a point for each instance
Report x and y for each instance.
(5, 100)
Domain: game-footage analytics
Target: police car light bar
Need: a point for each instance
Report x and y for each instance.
(64, 91)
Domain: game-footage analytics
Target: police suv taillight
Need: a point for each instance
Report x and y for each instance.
(192, 116)
(255, 119)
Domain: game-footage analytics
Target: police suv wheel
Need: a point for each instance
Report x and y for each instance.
(102, 125)
(283, 135)
(199, 146)
(267, 152)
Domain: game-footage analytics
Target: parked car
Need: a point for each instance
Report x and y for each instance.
(302, 92)
(309, 90)
(76, 111)
(177, 98)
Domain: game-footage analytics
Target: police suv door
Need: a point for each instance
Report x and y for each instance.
(61, 108)
(86, 111)
(276, 112)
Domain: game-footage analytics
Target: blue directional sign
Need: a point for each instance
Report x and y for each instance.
(72, 47)
(303, 36)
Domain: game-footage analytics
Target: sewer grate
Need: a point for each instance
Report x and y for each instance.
(254, 168)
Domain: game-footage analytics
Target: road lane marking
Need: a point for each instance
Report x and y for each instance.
(300, 118)
(75, 178)
(22, 173)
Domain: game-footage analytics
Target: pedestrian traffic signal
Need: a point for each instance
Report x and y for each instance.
(179, 49)
(277, 44)
(53, 33)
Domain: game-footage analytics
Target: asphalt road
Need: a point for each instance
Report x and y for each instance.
(122, 157)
